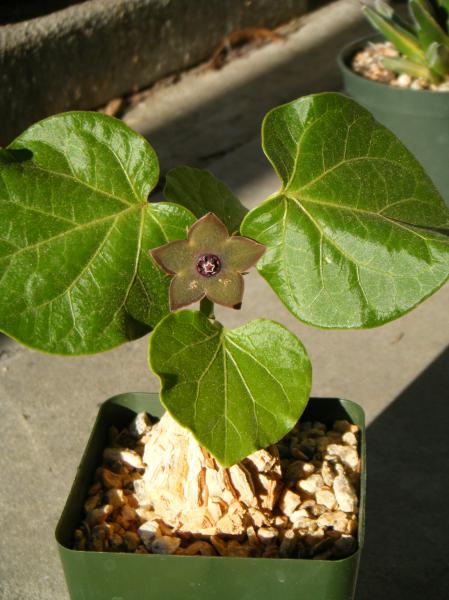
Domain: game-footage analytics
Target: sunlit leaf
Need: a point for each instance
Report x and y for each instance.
(236, 390)
(75, 230)
(352, 236)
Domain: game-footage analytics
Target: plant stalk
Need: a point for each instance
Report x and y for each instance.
(207, 308)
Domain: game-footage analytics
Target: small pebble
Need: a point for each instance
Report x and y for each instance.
(198, 548)
(326, 498)
(289, 501)
(344, 426)
(312, 484)
(349, 438)
(127, 457)
(128, 512)
(347, 455)
(110, 479)
(234, 548)
(92, 502)
(148, 532)
(131, 540)
(165, 545)
(344, 492)
(115, 497)
(337, 520)
(140, 425)
(327, 473)
(267, 534)
(288, 543)
(99, 515)
(404, 80)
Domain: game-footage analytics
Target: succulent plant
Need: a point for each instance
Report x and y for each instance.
(423, 43)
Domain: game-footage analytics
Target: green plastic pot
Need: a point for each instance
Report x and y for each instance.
(121, 576)
(420, 118)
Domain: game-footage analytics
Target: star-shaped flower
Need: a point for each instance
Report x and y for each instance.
(208, 264)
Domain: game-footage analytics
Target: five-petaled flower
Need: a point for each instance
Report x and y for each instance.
(209, 263)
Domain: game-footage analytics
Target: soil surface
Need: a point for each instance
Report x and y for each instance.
(368, 63)
(296, 499)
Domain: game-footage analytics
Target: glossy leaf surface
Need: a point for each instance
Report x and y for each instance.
(201, 192)
(352, 234)
(237, 390)
(75, 229)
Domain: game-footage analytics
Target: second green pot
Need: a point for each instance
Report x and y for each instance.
(125, 576)
(420, 118)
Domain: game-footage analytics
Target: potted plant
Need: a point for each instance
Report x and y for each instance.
(355, 237)
(402, 76)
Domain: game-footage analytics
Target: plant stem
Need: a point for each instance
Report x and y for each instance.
(207, 308)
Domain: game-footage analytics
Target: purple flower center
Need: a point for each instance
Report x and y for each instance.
(208, 265)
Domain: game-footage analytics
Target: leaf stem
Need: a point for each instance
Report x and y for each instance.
(207, 308)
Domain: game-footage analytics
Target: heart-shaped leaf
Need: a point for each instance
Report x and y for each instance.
(351, 236)
(201, 192)
(75, 230)
(237, 390)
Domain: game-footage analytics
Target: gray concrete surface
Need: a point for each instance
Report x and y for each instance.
(211, 113)
(84, 55)
(398, 373)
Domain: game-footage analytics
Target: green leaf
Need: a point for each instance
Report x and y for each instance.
(385, 10)
(403, 65)
(75, 230)
(438, 60)
(236, 390)
(427, 28)
(201, 192)
(404, 41)
(351, 235)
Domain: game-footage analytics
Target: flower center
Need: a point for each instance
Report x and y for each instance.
(208, 265)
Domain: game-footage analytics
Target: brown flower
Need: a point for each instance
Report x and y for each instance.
(208, 264)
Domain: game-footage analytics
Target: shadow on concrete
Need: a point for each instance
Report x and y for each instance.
(12, 11)
(218, 123)
(227, 119)
(406, 553)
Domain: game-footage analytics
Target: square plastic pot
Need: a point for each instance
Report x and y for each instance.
(420, 118)
(124, 576)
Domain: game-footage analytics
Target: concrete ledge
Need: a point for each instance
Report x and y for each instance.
(84, 55)
(209, 114)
